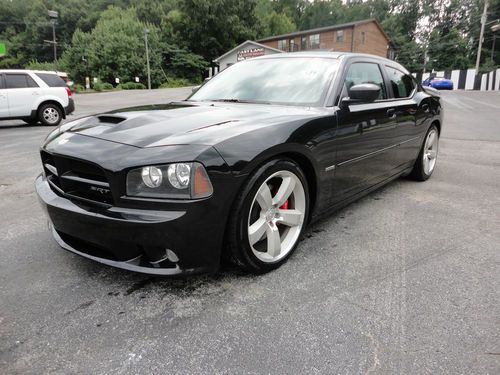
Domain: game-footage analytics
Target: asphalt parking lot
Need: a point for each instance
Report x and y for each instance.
(404, 281)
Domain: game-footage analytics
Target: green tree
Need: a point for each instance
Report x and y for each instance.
(270, 22)
(447, 50)
(212, 27)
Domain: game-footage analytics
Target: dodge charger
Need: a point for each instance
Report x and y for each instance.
(241, 167)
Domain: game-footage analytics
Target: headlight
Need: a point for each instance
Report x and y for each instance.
(178, 180)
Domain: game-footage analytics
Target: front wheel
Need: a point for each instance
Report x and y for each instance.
(269, 216)
(427, 158)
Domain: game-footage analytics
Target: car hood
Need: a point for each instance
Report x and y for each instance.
(183, 123)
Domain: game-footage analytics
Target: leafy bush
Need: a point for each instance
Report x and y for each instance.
(175, 82)
(77, 88)
(36, 65)
(132, 86)
(103, 86)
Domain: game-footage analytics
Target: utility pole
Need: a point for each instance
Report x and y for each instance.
(493, 47)
(481, 35)
(53, 15)
(146, 32)
(494, 28)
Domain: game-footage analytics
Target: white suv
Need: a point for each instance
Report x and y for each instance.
(34, 96)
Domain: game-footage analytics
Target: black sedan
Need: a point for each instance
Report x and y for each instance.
(241, 167)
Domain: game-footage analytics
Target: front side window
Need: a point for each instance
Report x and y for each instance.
(340, 36)
(314, 41)
(402, 84)
(289, 81)
(19, 81)
(359, 73)
(282, 44)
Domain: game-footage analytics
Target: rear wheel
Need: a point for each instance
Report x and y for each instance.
(427, 158)
(50, 114)
(269, 216)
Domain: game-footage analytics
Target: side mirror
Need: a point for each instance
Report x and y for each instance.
(195, 88)
(365, 92)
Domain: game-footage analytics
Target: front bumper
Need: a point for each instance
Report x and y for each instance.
(184, 241)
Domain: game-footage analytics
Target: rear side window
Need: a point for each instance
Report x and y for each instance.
(359, 73)
(19, 81)
(402, 84)
(52, 80)
(1, 82)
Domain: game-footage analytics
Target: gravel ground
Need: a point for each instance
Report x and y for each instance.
(404, 281)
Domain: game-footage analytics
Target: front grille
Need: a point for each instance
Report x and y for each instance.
(76, 179)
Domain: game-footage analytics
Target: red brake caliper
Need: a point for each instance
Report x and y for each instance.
(284, 206)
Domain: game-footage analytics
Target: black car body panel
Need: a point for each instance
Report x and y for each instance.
(345, 151)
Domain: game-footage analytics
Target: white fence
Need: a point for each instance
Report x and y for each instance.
(466, 79)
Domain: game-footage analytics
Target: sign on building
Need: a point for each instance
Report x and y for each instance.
(249, 53)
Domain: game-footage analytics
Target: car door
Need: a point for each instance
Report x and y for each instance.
(403, 90)
(23, 93)
(4, 99)
(366, 133)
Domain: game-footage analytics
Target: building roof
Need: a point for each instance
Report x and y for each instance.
(242, 44)
(325, 28)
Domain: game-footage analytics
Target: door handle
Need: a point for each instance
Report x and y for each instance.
(391, 113)
(35, 93)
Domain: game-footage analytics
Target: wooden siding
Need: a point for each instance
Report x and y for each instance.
(375, 41)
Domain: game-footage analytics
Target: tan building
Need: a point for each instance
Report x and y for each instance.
(365, 36)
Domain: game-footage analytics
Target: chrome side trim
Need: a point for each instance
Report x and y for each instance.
(330, 168)
(362, 157)
(365, 156)
(409, 140)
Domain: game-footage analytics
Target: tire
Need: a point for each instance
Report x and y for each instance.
(50, 114)
(268, 217)
(427, 157)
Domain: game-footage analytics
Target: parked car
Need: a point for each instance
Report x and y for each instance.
(439, 83)
(240, 167)
(34, 96)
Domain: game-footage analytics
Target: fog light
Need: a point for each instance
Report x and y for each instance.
(152, 177)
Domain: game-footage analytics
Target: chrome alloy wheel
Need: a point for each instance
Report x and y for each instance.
(277, 215)
(430, 151)
(51, 115)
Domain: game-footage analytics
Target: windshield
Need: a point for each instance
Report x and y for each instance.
(289, 81)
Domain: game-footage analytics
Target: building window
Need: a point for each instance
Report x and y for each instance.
(362, 37)
(282, 44)
(303, 43)
(340, 36)
(314, 41)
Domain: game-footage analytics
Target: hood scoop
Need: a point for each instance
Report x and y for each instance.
(110, 119)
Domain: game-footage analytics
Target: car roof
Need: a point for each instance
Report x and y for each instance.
(27, 71)
(333, 55)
